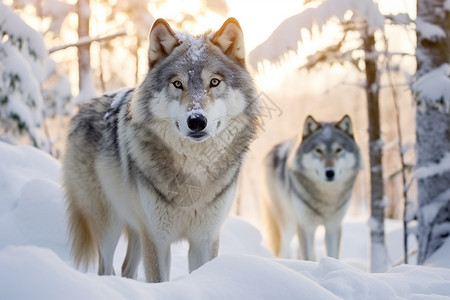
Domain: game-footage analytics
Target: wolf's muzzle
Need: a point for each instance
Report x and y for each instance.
(330, 174)
(197, 123)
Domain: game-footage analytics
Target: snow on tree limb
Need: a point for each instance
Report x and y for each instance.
(447, 5)
(434, 88)
(19, 32)
(57, 11)
(26, 74)
(14, 66)
(430, 210)
(434, 169)
(286, 36)
(87, 40)
(429, 31)
(399, 19)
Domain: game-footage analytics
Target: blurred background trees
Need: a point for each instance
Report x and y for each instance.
(326, 58)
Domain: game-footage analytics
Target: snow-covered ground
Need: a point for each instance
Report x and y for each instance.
(35, 261)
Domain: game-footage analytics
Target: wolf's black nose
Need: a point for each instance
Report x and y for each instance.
(196, 122)
(329, 174)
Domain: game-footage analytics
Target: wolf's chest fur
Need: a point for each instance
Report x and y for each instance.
(323, 198)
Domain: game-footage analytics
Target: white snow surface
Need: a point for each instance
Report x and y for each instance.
(35, 261)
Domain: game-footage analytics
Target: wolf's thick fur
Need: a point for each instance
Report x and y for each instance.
(161, 161)
(309, 182)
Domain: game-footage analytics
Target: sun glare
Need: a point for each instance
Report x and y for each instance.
(258, 20)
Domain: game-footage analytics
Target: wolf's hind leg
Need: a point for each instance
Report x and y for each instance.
(131, 262)
(108, 245)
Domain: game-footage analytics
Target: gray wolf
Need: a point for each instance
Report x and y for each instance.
(309, 182)
(161, 161)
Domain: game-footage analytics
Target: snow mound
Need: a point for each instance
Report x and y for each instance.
(39, 273)
(35, 261)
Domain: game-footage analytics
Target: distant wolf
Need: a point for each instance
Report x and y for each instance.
(161, 161)
(309, 182)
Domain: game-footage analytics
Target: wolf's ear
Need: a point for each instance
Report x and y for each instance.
(230, 39)
(345, 125)
(162, 41)
(310, 127)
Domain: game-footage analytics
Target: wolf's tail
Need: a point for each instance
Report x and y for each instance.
(272, 229)
(83, 246)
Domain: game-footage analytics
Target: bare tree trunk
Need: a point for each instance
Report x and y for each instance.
(378, 261)
(432, 134)
(84, 56)
(136, 53)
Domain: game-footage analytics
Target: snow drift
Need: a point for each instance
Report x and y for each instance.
(35, 262)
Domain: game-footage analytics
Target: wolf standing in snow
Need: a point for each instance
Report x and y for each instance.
(309, 183)
(162, 160)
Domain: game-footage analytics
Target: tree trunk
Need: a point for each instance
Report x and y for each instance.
(378, 259)
(432, 135)
(84, 56)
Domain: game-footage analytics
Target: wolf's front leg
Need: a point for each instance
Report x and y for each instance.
(201, 251)
(333, 239)
(306, 242)
(156, 258)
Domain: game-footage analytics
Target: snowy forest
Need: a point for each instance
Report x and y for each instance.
(384, 63)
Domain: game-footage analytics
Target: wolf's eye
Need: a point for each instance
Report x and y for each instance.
(318, 151)
(214, 82)
(338, 150)
(177, 84)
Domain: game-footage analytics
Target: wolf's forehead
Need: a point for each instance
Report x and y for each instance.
(327, 133)
(196, 46)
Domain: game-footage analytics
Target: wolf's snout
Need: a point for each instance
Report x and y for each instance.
(197, 122)
(329, 174)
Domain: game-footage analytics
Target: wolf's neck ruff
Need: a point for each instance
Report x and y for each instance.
(293, 189)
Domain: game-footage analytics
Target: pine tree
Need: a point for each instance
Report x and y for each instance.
(30, 87)
(432, 93)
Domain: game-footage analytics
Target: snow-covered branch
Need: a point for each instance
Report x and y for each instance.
(26, 76)
(399, 19)
(287, 35)
(434, 169)
(429, 31)
(434, 88)
(88, 40)
(430, 210)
